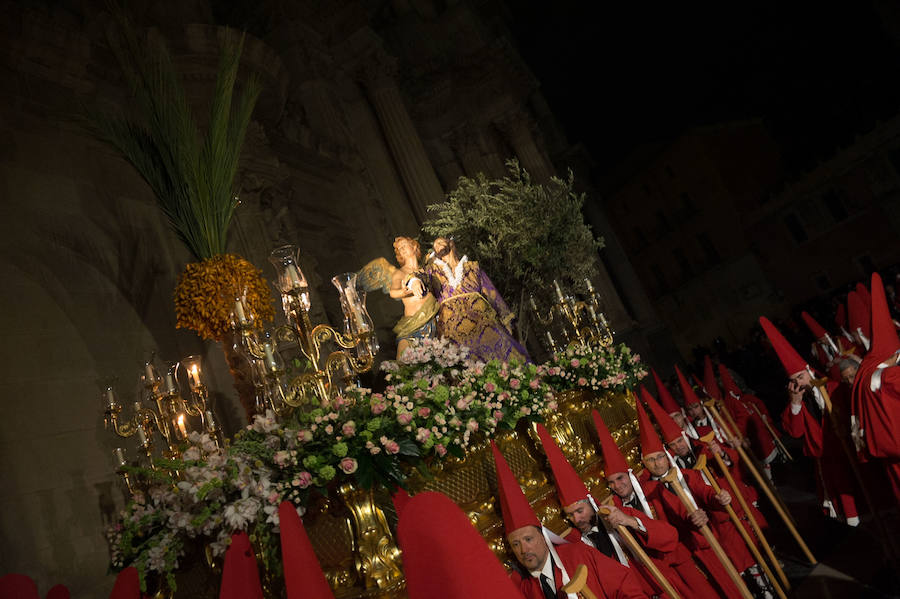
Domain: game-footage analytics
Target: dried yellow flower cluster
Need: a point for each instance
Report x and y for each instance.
(205, 293)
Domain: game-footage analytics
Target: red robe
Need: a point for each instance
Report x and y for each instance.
(670, 507)
(750, 424)
(749, 493)
(834, 478)
(607, 578)
(669, 555)
(879, 417)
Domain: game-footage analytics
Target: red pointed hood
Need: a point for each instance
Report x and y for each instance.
(665, 398)
(728, 382)
(21, 586)
(840, 317)
(444, 556)
(789, 357)
(613, 460)
(863, 293)
(860, 315)
(686, 390)
(815, 328)
(884, 334)
(709, 379)
(240, 575)
(670, 430)
(569, 485)
(650, 441)
(303, 576)
(517, 512)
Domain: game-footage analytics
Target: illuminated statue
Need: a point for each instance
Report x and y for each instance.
(472, 313)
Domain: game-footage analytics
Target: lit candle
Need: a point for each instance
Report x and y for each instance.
(142, 436)
(194, 376)
(148, 372)
(170, 383)
(137, 409)
(590, 287)
(111, 397)
(550, 339)
(270, 356)
(559, 294)
(120, 456)
(293, 278)
(531, 301)
(181, 426)
(239, 312)
(603, 320)
(592, 312)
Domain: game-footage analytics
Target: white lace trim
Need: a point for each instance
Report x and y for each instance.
(455, 276)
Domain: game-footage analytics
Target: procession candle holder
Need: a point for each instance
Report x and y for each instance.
(356, 351)
(121, 462)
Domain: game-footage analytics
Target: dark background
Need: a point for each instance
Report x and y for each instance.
(620, 75)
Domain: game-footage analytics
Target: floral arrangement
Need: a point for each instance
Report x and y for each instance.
(206, 290)
(437, 402)
(614, 368)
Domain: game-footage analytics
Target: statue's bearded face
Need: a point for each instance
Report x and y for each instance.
(443, 246)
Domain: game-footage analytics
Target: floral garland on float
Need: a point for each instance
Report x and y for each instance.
(595, 367)
(437, 401)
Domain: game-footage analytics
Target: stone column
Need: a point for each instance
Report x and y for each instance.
(406, 146)
(467, 142)
(516, 127)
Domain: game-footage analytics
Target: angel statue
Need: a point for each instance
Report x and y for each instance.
(472, 312)
(406, 283)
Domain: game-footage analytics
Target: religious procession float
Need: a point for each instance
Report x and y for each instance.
(336, 428)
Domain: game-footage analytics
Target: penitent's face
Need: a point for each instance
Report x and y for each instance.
(694, 410)
(657, 463)
(620, 483)
(529, 547)
(680, 447)
(581, 514)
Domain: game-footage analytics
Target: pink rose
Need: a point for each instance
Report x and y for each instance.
(349, 428)
(303, 480)
(404, 417)
(472, 425)
(534, 384)
(498, 415)
(329, 429)
(575, 363)
(424, 412)
(514, 383)
(582, 381)
(304, 436)
(378, 408)
(349, 465)
(392, 447)
(440, 450)
(489, 387)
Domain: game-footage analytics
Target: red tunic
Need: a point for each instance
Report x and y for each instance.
(607, 578)
(879, 417)
(669, 555)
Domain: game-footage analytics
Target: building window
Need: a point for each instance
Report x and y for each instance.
(836, 208)
(798, 232)
(709, 248)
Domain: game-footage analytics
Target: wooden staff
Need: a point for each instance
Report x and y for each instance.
(638, 552)
(775, 437)
(672, 478)
(782, 512)
(750, 517)
(578, 584)
(701, 466)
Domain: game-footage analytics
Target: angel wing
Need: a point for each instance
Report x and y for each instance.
(376, 274)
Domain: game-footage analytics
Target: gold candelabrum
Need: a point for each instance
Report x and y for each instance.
(327, 373)
(163, 416)
(581, 321)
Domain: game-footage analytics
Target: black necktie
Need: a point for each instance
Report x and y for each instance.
(549, 591)
(602, 543)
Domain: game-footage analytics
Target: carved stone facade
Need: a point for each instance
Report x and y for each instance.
(371, 111)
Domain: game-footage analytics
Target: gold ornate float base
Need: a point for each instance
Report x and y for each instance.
(353, 533)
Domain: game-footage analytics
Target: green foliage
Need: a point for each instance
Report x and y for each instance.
(190, 171)
(522, 233)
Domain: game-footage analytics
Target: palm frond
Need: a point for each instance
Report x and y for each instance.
(191, 172)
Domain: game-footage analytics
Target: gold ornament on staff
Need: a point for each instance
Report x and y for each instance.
(581, 321)
(701, 466)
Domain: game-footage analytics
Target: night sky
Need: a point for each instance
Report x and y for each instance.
(620, 75)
